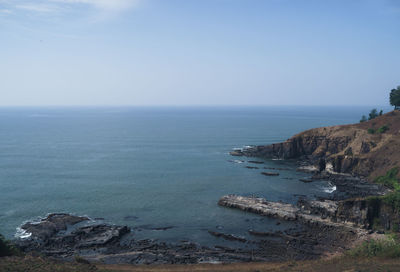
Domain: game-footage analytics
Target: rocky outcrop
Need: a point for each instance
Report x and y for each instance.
(370, 212)
(113, 244)
(342, 149)
(356, 212)
(272, 174)
(60, 235)
(51, 225)
(323, 212)
(260, 206)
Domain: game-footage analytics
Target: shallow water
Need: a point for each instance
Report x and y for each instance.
(150, 167)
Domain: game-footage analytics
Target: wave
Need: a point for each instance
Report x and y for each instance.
(22, 234)
(329, 189)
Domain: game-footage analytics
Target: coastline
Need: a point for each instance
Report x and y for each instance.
(322, 227)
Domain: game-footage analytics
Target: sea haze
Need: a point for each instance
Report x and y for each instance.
(149, 167)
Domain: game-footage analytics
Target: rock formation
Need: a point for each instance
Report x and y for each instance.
(351, 149)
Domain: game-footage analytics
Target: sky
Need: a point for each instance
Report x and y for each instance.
(198, 52)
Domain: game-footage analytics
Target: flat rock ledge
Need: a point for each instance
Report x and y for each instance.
(260, 206)
(306, 211)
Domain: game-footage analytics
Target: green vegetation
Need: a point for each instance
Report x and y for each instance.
(390, 179)
(395, 98)
(383, 129)
(393, 200)
(380, 130)
(387, 248)
(6, 248)
(389, 203)
(372, 115)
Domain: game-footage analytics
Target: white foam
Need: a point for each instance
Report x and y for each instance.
(22, 234)
(330, 190)
(243, 148)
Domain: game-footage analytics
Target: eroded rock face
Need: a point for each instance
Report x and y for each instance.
(366, 212)
(345, 149)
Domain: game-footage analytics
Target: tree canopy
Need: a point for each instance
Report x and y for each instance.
(373, 114)
(395, 97)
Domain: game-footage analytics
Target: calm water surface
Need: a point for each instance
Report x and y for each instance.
(150, 167)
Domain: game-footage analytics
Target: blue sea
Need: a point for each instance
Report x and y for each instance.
(150, 167)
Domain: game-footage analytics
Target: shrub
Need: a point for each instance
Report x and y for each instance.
(393, 200)
(389, 248)
(383, 129)
(371, 131)
(390, 179)
(81, 260)
(363, 119)
(6, 248)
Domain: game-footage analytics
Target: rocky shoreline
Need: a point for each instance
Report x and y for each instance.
(102, 243)
(342, 155)
(320, 227)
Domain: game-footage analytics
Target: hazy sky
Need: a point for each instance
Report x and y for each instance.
(198, 52)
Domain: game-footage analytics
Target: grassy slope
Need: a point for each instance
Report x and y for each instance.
(341, 264)
(16, 264)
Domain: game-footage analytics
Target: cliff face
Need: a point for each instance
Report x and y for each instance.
(344, 149)
(368, 213)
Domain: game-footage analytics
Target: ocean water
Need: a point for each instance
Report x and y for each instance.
(149, 167)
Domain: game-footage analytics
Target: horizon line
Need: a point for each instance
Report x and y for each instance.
(184, 106)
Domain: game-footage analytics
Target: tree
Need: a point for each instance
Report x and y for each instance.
(363, 119)
(373, 114)
(395, 98)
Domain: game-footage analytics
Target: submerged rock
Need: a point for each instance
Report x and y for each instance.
(269, 174)
(252, 167)
(237, 153)
(256, 162)
(306, 180)
(227, 236)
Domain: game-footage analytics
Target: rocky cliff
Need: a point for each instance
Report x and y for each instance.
(367, 149)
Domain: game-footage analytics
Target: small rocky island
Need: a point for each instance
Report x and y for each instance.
(349, 156)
